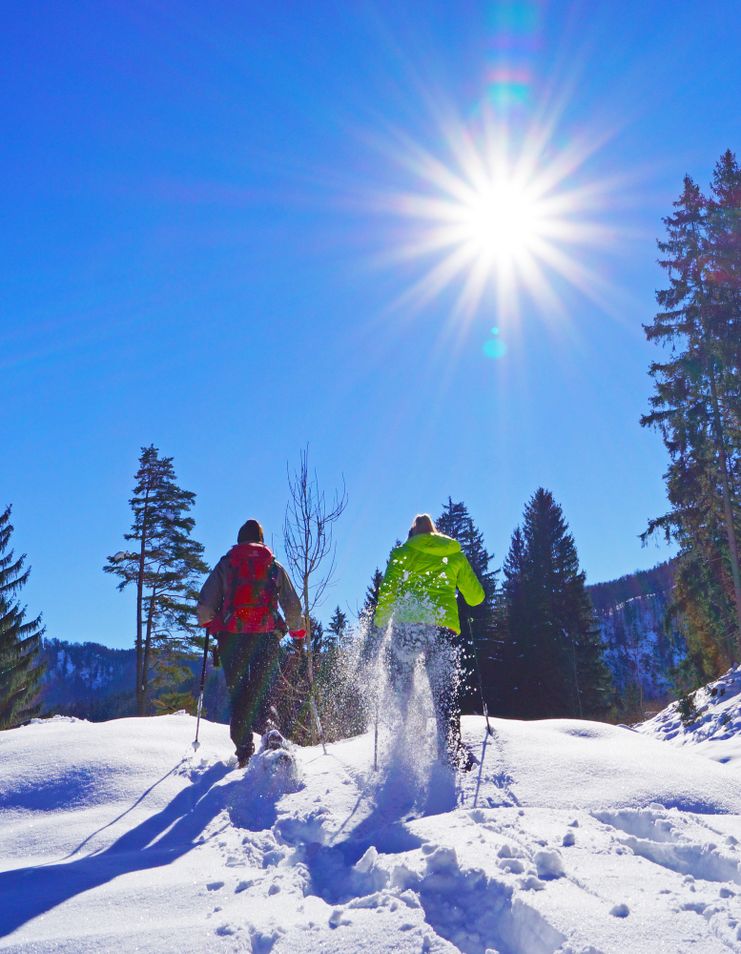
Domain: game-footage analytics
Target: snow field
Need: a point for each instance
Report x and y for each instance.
(586, 839)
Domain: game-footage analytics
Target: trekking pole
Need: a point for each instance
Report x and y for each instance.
(196, 743)
(489, 730)
(375, 739)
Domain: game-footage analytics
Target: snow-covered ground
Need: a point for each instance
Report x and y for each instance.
(585, 838)
(716, 729)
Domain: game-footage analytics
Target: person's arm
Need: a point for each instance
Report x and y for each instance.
(291, 605)
(211, 597)
(468, 584)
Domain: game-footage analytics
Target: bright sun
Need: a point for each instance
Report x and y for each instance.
(513, 218)
(501, 222)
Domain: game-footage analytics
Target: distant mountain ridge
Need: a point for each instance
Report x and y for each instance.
(659, 579)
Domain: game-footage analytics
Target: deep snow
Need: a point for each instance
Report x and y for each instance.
(587, 838)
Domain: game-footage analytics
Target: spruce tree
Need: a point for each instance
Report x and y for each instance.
(165, 569)
(513, 626)
(337, 626)
(455, 521)
(371, 594)
(696, 405)
(319, 640)
(554, 656)
(477, 622)
(20, 639)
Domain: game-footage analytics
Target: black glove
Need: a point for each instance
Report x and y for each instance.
(215, 657)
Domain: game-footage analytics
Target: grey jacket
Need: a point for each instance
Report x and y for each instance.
(211, 597)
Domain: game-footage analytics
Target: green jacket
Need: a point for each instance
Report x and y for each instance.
(421, 580)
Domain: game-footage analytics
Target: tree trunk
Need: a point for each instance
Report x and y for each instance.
(307, 641)
(577, 691)
(139, 612)
(147, 655)
(727, 509)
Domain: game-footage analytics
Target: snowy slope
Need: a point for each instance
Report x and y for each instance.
(716, 731)
(587, 838)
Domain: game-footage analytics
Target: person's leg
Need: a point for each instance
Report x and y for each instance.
(264, 665)
(236, 650)
(443, 668)
(400, 668)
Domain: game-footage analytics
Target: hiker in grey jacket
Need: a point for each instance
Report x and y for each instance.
(240, 604)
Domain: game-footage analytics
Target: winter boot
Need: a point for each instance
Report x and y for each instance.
(244, 753)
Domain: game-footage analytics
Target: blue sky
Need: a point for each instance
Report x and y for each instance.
(198, 252)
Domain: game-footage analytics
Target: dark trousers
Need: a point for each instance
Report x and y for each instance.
(250, 662)
(440, 658)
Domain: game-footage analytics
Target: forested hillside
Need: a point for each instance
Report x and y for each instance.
(644, 641)
(95, 682)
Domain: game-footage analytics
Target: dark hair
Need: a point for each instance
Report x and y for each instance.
(250, 532)
(422, 523)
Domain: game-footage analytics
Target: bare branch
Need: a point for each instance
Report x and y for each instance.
(308, 532)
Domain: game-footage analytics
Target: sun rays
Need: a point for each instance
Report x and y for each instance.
(514, 219)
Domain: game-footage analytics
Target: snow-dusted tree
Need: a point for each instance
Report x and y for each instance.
(20, 639)
(165, 568)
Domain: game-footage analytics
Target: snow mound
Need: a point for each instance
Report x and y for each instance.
(573, 838)
(715, 730)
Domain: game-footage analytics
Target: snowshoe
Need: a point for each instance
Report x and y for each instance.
(459, 756)
(276, 750)
(274, 767)
(273, 740)
(465, 759)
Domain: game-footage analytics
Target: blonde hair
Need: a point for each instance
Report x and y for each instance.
(422, 523)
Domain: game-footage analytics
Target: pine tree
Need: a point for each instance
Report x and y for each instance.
(513, 625)
(696, 409)
(554, 656)
(371, 594)
(20, 639)
(477, 622)
(165, 569)
(337, 626)
(319, 640)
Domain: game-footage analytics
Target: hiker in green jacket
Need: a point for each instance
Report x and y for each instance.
(417, 599)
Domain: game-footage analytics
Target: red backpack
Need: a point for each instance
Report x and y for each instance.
(250, 591)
